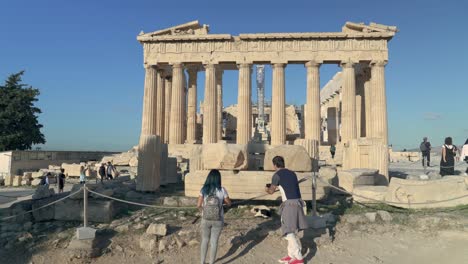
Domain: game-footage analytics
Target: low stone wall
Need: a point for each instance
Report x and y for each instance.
(248, 184)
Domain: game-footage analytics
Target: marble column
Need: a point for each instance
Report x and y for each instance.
(368, 105)
(167, 107)
(150, 144)
(176, 126)
(348, 115)
(312, 124)
(192, 105)
(148, 126)
(219, 104)
(379, 104)
(160, 108)
(244, 104)
(278, 113)
(209, 105)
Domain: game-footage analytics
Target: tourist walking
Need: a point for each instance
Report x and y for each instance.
(425, 148)
(61, 180)
(110, 170)
(291, 210)
(332, 151)
(48, 175)
(210, 202)
(102, 172)
(447, 162)
(464, 155)
(82, 174)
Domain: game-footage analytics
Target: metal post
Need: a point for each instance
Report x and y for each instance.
(314, 198)
(85, 206)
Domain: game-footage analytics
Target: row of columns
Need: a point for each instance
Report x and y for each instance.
(175, 122)
(375, 106)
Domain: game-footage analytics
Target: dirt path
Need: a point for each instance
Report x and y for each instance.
(252, 240)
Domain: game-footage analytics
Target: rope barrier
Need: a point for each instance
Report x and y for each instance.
(142, 204)
(390, 203)
(42, 207)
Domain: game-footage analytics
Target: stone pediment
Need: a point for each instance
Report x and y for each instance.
(351, 27)
(190, 28)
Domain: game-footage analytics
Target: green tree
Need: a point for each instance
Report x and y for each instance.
(19, 127)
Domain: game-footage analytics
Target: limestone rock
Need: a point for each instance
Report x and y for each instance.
(348, 179)
(162, 245)
(17, 181)
(371, 216)
(36, 182)
(148, 242)
(69, 210)
(375, 193)
(435, 193)
(295, 157)
(157, 229)
(42, 192)
(385, 216)
(225, 156)
(37, 174)
(45, 213)
(72, 169)
(122, 228)
(193, 243)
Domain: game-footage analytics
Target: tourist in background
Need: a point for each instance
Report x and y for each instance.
(210, 202)
(61, 180)
(83, 174)
(425, 148)
(464, 155)
(332, 151)
(291, 210)
(48, 175)
(110, 170)
(102, 172)
(447, 162)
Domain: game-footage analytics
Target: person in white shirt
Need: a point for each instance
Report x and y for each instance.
(464, 155)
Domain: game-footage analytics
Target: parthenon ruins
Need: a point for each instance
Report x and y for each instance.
(170, 98)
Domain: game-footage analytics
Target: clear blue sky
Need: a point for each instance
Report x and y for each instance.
(84, 58)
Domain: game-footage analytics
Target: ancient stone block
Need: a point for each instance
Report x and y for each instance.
(42, 192)
(46, 213)
(71, 169)
(296, 158)
(445, 192)
(17, 181)
(225, 156)
(348, 179)
(69, 210)
(375, 193)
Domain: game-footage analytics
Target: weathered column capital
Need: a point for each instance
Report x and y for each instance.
(244, 65)
(278, 65)
(177, 65)
(209, 66)
(347, 64)
(313, 63)
(148, 66)
(379, 63)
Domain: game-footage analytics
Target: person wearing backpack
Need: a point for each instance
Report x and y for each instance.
(447, 162)
(425, 148)
(210, 202)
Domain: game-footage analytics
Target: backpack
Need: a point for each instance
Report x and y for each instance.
(212, 208)
(423, 147)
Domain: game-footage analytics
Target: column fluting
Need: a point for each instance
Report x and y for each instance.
(278, 113)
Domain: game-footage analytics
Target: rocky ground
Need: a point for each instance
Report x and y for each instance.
(355, 234)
